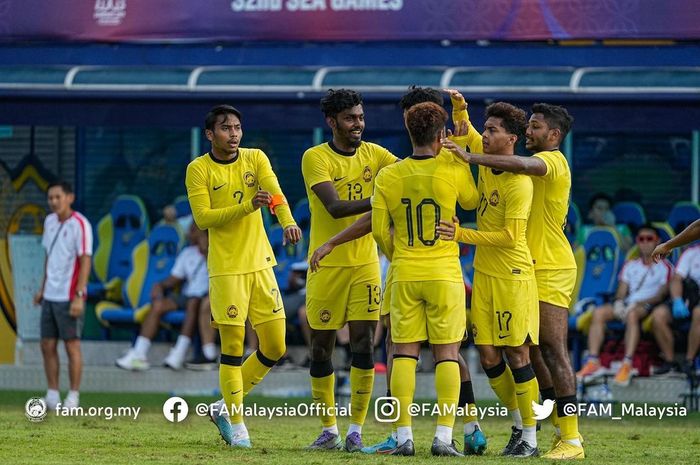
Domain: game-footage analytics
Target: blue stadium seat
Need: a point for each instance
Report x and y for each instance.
(153, 259)
(284, 260)
(118, 232)
(302, 214)
(573, 224)
(629, 213)
(683, 214)
(182, 206)
(466, 260)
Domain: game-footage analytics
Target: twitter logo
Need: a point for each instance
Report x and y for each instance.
(542, 411)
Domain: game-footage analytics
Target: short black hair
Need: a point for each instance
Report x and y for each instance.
(424, 122)
(649, 227)
(600, 196)
(214, 113)
(416, 95)
(557, 117)
(514, 119)
(65, 185)
(339, 100)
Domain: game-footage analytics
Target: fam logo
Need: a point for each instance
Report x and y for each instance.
(109, 12)
(325, 315)
(249, 179)
(232, 311)
(367, 174)
(494, 198)
(35, 409)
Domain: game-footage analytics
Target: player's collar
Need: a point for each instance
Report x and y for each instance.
(340, 152)
(224, 162)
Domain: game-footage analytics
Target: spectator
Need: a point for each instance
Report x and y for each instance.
(191, 269)
(67, 239)
(643, 284)
(600, 214)
(684, 299)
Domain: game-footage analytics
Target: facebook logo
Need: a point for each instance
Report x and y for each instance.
(175, 409)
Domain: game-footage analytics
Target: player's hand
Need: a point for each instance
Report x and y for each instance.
(680, 309)
(38, 297)
(77, 306)
(446, 230)
(261, 199)
(660, 252)
(458, 101)
(456, 150)
(292, 234)
(461, 130)
(319, 254)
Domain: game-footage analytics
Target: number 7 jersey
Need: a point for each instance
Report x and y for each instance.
(418, 193)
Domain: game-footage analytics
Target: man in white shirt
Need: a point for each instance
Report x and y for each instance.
(642, 284)
(190, 271)
(67, 239)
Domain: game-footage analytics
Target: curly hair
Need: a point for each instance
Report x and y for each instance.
(336, 101)
(556, 117)
(424, 122)
(513, 119)
(416, 95)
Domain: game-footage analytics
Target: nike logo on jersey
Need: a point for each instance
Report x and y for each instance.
(372, 310)
(503, 337)
(339, 179)
(236, 392)
(277, 310)
(216, 188)
(363, 392)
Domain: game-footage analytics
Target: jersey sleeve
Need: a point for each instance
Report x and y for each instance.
(467, 194)
(381, 220)
(506, 238)
(625, 273)
(314, 169)
(269, 182)
(84, 239)
(683, 266)
(178, 269)
(553, 163)
(384, 156)
(519, 198)
(45, 240)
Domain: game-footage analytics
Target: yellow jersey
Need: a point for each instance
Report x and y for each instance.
(550, 204)
(220, 194)
(417, 193)
(503, 196)
(353, 176)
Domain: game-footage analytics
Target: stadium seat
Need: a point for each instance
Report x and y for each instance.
(284, 261)
(682, 214)
(118, 232)
(182, 206)
(629, 213)
(152, 259)
(302, 214)
(573, 224)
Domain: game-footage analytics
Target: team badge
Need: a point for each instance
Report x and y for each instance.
(367, 174)
(474, 331)
(325, 315)
(249, 179)
(232, 311)
(494, 198)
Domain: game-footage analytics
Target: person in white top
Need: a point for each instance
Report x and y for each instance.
(67, 239)
(685, 299)
(189, 271)
(643, 283)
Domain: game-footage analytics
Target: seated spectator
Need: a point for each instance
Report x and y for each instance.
(684, 298)
(191, 269)
(643, 284)
(600, 214)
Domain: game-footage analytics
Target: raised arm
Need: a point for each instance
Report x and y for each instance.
(532, 166)
(506, 238)
(688, 235)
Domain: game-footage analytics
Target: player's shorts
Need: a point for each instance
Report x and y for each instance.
(504, 312)
(427, 310)
(237, 297)
(556, 286)
(338, 294)
(386, 294)
(56, 322)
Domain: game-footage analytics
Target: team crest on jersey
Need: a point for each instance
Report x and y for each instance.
(494, 198)
(474, 331)
(249, 179)
(232, 311)
(325, 315)
(367, 174)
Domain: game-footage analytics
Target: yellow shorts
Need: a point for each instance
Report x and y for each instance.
(427, 310)
(338, 294)
(556, 286)
(236, 297)
(504, 312)
(386, 294)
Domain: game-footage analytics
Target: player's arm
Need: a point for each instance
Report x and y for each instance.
(269, 182)
(207, 217)
(688, 235)
(467, 194)
(358, 229)
(339, 208)
(506, 238)
(381, 230)
(532, 166)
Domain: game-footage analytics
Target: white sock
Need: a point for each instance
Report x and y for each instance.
(181, 346)
(530, 435)
(141, 347)
(395, 436)
(331, 429)
(574, 442)
(354, 429)
(403, 434)
(444, 433)
(209, 351)
(517, 418)
(53, 394)
(239, 430)
(73, 395)
(557, 431)
(470, 427)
